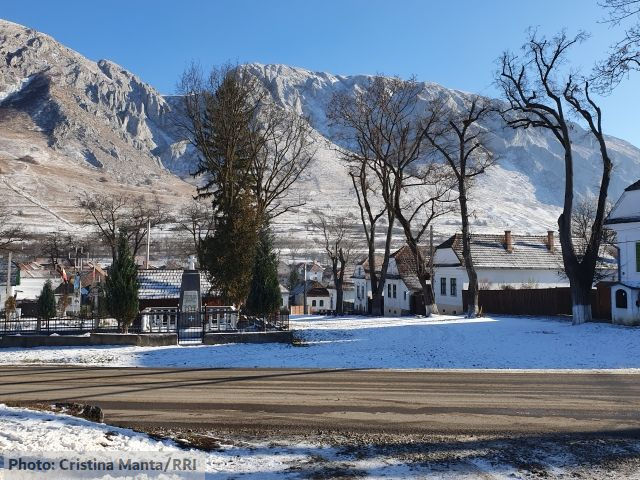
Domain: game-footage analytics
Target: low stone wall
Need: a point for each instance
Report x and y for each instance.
(132, 339)
(247, 337)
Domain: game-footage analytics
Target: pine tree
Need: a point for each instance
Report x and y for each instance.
(264, 296)
(121, 286)
(229, 255)
(47, 302)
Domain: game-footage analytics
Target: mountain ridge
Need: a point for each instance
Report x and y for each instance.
(87, 125)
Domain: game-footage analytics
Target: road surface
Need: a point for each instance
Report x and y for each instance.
(377, 401)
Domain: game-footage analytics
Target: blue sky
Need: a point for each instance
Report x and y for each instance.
(454, 43)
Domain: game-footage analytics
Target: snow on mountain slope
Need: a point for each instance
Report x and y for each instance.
(69, 124)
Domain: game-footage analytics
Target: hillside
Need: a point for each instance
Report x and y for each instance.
(69, 124)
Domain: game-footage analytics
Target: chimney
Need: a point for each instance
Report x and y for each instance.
(508, 241)
(551, 241)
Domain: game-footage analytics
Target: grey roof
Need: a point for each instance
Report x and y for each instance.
(489, 251)
(407, 266)
(165, 283)
(3, 272)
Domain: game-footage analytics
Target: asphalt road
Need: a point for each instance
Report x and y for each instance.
(377, 401)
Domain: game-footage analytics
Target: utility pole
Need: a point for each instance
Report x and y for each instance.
(148, 240)
(9, 275)
(305, 288)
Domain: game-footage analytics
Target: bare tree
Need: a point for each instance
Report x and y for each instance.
(339, 245)
(624, 55)
(584, 214)
(198, 220)
(111, 213)
(364, 117)
(538, 98)
(461, 141)
(11, 235)
(246, 142)
(56, 245)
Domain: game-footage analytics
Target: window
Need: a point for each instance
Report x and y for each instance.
(322, 303)
(405, 294)
(313, 303)
(389, 290)
(394, 291)
(621, 298)
(443, 286)
(637, 256)
(454, 287)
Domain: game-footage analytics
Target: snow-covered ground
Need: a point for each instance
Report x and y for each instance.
(497, 342)
(28, 431)
(48, 436)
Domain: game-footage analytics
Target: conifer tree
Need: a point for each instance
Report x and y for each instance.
(46, 304)
(228, 256)
(121, 286)
(265, 297)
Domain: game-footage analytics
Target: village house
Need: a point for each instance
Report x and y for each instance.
(315, 271)
(501, 261)
(318, 297)
(362, 282)
(8, 288)
(624, 219)
(348, 289)
(284, 293)
(402, 290)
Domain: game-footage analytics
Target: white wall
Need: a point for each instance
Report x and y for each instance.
(627, 236)
(629, 315)
(400, 304)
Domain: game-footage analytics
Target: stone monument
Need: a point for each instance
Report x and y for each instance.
(190, 295)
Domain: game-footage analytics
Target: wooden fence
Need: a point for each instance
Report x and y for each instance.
(296, 309)
(541, 301)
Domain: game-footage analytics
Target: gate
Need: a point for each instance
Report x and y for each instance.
(190, 327)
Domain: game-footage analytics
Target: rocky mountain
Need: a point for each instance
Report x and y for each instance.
(68, 124)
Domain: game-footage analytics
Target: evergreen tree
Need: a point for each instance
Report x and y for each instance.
(265, 297)
(121, 286)
(228, 256)
(47, 302)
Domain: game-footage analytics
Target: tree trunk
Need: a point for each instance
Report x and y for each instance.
(376, 304)
(581, 302)
(339, 299)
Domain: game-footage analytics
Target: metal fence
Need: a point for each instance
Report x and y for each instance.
(191, 325)
(60, 326)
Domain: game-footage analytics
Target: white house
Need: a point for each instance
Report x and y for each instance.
(315, 271)
(501, 261)
(625, 293)
(284, 292)
(362, 283)
(3, 281)
(318, 297)
(402, 290)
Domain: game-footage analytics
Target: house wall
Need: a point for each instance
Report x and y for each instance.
(629, 315)
(398, 304)
(322, 304)
(493, 279)
(628, 235)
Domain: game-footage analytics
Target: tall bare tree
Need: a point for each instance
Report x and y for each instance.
(363, 117)
(339, 245)
(57, 245)
(624, 55)
(198, 220)
(461, 141)
(245, 141)
(540, 96)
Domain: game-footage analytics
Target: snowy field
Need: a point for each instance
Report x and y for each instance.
(441, 342)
